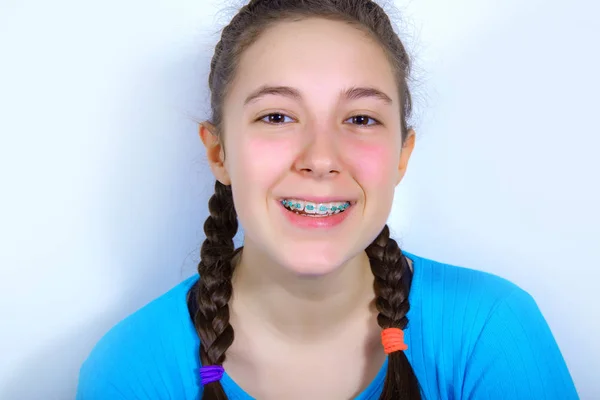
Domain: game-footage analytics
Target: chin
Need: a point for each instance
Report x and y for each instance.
(311, 269)
(313, 262)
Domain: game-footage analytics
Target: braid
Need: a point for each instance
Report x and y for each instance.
(213, 290)
(392, 285)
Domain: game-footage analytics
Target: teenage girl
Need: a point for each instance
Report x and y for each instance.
(308, 139)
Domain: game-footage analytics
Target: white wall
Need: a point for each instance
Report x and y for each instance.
(104, 187)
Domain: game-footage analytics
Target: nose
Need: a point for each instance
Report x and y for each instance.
(320, 155)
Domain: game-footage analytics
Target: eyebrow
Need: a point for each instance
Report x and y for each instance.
(353, 93)
(356, 93)
(285, 91)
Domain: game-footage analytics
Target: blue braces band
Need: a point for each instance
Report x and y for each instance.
(310, 207)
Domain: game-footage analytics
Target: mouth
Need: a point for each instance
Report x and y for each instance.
(315, 209)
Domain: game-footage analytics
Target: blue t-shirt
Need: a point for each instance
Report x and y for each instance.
(471, 335)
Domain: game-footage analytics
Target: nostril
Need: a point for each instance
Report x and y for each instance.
(318, 171)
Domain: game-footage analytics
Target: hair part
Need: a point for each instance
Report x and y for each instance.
(209, 298)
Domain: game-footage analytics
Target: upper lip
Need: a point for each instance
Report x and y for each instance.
(319, 199)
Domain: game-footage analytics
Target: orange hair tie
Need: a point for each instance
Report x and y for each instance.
(393, 340)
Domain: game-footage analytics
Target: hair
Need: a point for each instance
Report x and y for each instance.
(209, 298)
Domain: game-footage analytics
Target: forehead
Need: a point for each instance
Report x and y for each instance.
(317, 56)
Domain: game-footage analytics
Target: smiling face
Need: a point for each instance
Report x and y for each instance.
(312, 123)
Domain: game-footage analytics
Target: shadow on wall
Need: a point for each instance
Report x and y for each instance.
(52, 373)
(150, 203)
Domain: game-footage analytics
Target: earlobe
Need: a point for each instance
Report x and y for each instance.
(214, 152)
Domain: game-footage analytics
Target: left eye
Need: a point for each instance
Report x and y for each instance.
(362, 120)
(276, 119)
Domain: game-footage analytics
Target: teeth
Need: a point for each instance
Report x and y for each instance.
(315, 209)
(299, 205)
(323, 209)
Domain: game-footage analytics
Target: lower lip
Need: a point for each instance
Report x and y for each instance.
(315, 222)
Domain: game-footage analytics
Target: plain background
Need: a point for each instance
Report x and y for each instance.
(104, 187)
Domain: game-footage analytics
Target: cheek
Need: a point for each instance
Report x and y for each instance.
(374, 164)
(259, 162)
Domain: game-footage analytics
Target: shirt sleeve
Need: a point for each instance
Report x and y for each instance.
(516, 357)
(126, 365)
(96, 386)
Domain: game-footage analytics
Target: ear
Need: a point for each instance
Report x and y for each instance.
(407, 148)
(214, 152)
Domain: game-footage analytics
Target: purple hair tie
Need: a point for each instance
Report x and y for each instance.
(211, 373)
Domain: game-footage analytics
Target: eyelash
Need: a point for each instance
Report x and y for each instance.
(375, 122)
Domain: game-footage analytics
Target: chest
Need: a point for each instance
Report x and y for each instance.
(316, 377)
(334, 370)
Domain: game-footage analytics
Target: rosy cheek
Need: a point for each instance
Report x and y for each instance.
(262, 160)
(372, 163)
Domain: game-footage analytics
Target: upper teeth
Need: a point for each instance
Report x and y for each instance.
(316, 208)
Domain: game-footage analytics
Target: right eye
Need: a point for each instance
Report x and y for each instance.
(276, 119)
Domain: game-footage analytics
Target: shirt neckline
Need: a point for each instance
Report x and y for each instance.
(237, 393)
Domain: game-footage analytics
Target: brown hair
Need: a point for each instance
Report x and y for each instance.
(209, 298)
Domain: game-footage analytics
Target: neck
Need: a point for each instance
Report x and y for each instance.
(297, 306)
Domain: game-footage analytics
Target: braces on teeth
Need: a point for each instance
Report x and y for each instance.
(313, 208)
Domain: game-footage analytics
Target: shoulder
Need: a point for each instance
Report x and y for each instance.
(466, 301)
(146, 355)
(459, 302)
(485, 334)
(443, 287)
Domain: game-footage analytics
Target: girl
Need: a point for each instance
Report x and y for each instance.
(308, 139)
